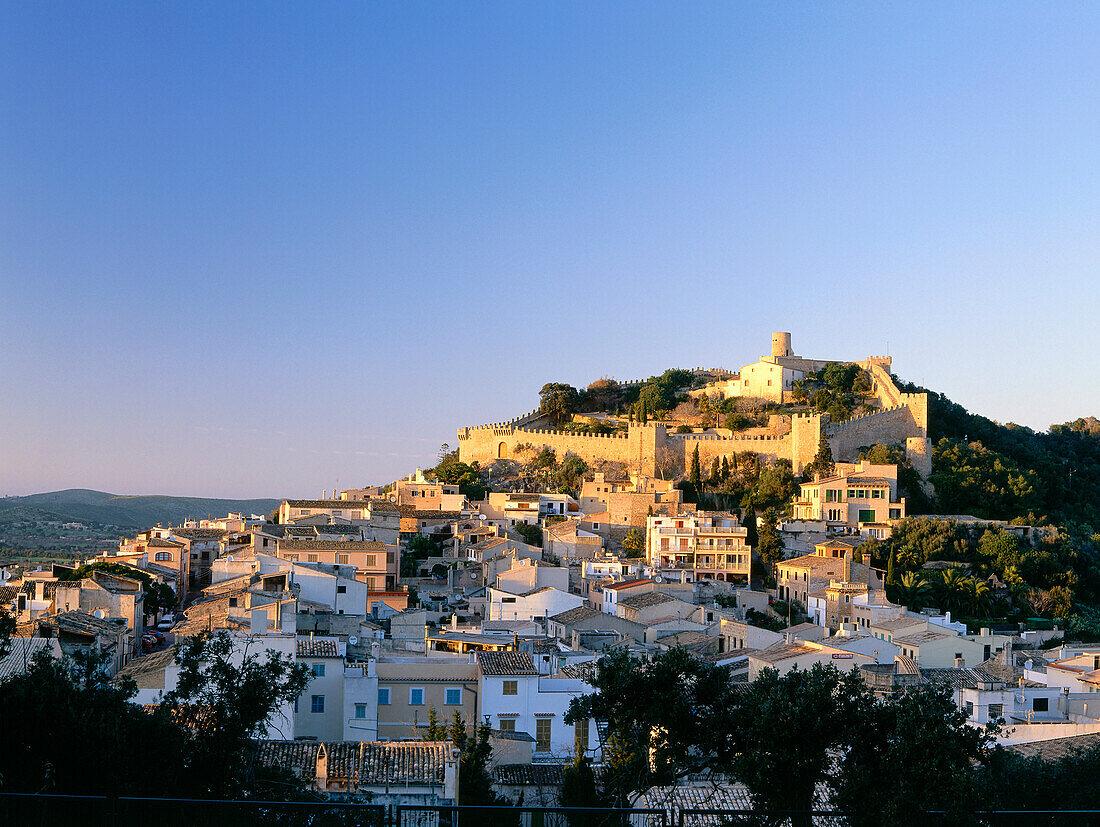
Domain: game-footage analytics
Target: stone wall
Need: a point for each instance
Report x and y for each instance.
(651, 449)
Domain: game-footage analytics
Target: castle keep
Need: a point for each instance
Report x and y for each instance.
(900, 418)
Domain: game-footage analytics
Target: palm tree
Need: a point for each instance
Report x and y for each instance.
(911, 591)
(952, 594)
(977, 596)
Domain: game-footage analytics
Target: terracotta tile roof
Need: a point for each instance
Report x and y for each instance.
(783, 651)
(318, 648)
(22, 652)
(580, 671)
(83, 623)
(506, 663)
(331, 545)
(644, 601)
(199, 533)
(529, 775)
(957, 677)
(147, 671)
(575, 615)
(330, 504)
(627, 584)
(373, 763)
(1056, 748)
(8, 594)
(921, 638)
(157, 542)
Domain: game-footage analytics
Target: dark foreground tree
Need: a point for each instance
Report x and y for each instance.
(69, 731)
(230, 692)
(786, 727)
(914, 753)
(578, 789)
(665, 718)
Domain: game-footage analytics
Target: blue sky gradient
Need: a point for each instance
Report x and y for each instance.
(255, 249)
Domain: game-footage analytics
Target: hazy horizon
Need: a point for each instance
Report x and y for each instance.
(257, 252)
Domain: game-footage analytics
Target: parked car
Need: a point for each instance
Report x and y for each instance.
(166, 623)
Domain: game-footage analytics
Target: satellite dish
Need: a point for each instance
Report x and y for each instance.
(658, 579)
(352, 639)
(393, 498)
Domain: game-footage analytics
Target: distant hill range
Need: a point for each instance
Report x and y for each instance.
(84, 506)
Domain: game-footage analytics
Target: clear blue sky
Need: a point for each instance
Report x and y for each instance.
(253, 249)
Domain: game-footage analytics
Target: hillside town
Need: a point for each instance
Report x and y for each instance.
(498, 589)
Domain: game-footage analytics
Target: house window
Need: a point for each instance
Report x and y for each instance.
(384, 696)
(452, 696)
(341, 589)
(318, 670)
(507, 724)
(360, 710)
(995, 711)
(341, 558)
(163, 556)
(511, 688)
(416, 696)
(969, 708)
(895, 513)
(293, 558)
(317, 703)
(866, 515)
(311, 558)
(233, 602)
(580, 735)
(1039, 704)
(542, 735)
(368, 560)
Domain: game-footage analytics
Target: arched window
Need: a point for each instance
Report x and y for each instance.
(163, 556)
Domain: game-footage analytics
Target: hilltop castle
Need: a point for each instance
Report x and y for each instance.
(900, 418)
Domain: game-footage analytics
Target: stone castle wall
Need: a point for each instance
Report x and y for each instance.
(651, 449)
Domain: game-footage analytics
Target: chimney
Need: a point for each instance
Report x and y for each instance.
(322, 768)
(960, 663)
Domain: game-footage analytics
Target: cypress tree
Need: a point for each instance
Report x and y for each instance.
(695, 477)
(749, 520)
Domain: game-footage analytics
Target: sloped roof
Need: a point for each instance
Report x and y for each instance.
(199, 533)
(957, 677)
(331, 545)
(506, 663)
(318, 648)
(368, 762)
(83, 623)
(575, 615)
(627, 584)
(644, 601)
(146, 670)
(1056, 748)
(23, 651)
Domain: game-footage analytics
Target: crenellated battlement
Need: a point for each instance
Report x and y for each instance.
(650, 448)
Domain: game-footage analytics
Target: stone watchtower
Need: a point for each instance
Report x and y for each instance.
(781, 344)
